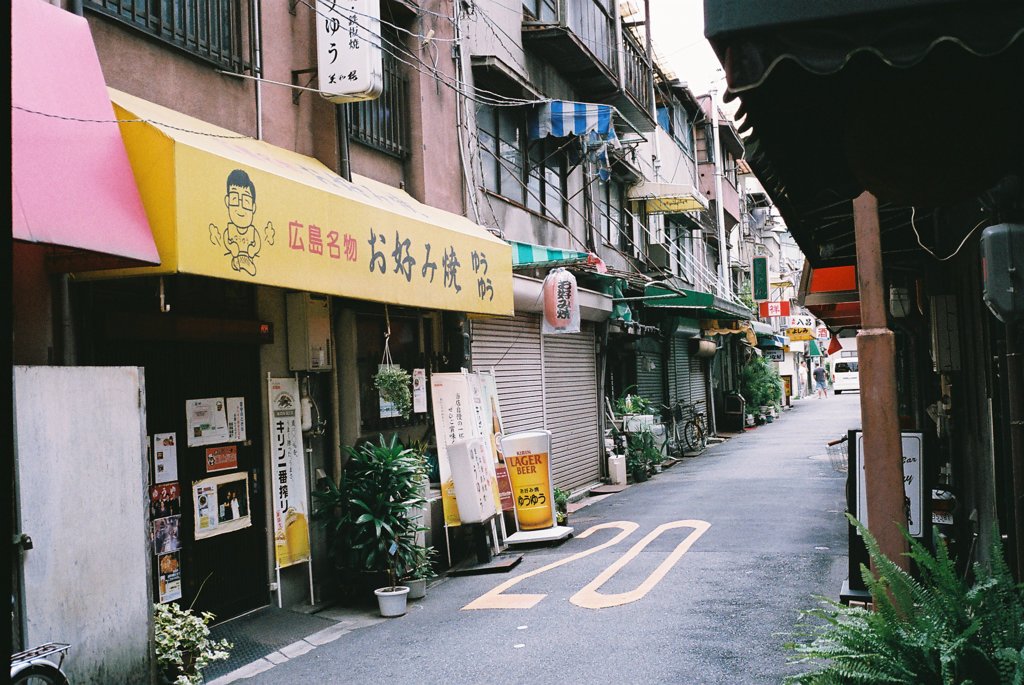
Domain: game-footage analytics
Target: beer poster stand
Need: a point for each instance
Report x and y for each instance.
(522, 453)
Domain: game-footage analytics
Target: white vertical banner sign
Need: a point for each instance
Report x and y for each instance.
(453, 420)
(288, 473)
(348, 50)
(483, 427)
(913, 483)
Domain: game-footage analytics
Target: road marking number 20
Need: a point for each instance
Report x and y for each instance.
(589, 597)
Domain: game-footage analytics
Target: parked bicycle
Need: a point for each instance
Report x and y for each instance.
(686, 429)
(40, 665)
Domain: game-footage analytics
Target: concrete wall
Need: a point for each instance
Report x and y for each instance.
(80, 458)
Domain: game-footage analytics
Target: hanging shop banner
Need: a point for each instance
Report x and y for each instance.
(419, 391)
(770, 309)
(800, 328)
(912, 482)
(350, 63)
(453, 420)
(528, 456)
(169, 576)
(164, 500)
(561, 303)
(288, 484)
(206, 420)
(165, 457)
(472, 468)
(490, 388)
(236, 419)
(166, 535)
(221, 504)
(223, 458)
(775, 355)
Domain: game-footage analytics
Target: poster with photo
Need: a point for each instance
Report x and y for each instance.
(165, 457)
(164, 500)
(207, 421)
(169, 576)
(236, 418)
(221, 504)
(419, 391)
(166, 535)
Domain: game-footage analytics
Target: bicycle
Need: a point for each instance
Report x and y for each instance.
(689, 434)
(36, 666)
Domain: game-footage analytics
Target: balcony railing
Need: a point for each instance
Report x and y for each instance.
(638, 71)
(594, 24)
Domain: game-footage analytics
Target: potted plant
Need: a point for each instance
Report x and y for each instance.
(394, 385)
(641, 455)
(931, 627)
(372, 516)
(419, 569)
(631, 408)
(561, 506)
(183, 644)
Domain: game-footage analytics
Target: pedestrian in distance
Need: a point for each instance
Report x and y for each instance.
(819, 380)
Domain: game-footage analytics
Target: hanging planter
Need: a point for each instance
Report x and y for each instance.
(393, 383)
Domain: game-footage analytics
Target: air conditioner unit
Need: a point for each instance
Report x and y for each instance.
(659, 255)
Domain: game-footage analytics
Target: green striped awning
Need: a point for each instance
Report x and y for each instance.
(530, 255)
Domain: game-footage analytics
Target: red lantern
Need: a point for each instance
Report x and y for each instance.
(561, 303)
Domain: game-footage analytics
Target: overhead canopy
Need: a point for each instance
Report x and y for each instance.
(227, 206)
(71, 183)
(697, 304)
(667, 198)
(561, 118)
(528, 255)
(871, 90)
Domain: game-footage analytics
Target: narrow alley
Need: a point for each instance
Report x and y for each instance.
(775, 538)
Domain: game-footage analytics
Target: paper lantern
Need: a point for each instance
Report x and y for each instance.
(561, 303)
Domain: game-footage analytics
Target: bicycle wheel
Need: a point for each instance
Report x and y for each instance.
(40, 674)
(702, 435)
(678, 439)
(692, 435)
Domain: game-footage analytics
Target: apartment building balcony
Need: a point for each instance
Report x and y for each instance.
(583, 41)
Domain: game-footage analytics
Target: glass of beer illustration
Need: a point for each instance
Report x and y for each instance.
(527, 456)
(293, 542)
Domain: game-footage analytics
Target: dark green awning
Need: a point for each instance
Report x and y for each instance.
(695, 303)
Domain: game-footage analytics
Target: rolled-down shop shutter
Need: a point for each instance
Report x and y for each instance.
(687, 374)
(570, 394)
(559, 385)
(649, 367)
(512, 348)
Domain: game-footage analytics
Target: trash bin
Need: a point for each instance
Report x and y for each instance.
(735, 409)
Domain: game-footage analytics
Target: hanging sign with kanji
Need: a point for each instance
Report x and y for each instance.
(770, 309)
(759, 277)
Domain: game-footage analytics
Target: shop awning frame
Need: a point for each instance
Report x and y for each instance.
(667, 198)
(71, 183)
(303, 227)
(532, 256)
(697, 304)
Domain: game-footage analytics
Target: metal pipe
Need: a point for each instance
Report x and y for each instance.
(876, 348)
(258, 64)
(67, 340)
(723, 250)
(341, 124)
(1015, 407)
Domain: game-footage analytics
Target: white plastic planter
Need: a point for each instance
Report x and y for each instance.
(392, 601)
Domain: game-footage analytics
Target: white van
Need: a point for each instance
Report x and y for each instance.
(845, 375)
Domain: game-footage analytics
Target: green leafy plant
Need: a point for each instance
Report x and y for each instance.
(183, 644)
(760, 384)
(372, 515)
(394, 385)
(936, 629)
(641, 453)
(561, 505)
(633, 404)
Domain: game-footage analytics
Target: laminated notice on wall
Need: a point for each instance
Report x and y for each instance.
(207, 421)
(221, 504)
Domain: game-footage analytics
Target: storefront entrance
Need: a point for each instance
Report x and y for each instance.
(222, 562)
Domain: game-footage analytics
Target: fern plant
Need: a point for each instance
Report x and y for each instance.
(936, 629)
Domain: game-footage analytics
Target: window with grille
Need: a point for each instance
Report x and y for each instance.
(532, 173)
(381, 123)
(208, 29)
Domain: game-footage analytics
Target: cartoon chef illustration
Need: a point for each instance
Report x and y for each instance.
(241, 238)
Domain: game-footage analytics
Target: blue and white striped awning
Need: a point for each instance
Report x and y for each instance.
(561, 118)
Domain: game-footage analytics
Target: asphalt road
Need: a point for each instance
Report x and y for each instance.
(775, 537)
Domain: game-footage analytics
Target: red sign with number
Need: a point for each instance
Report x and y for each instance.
(774, 309)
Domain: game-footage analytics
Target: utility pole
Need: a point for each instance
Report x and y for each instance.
(723, 246)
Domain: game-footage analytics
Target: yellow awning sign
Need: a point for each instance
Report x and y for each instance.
(667, 198)
(232, 207)
(797, 334)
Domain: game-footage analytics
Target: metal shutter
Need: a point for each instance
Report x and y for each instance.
(571, 397)
(687, 374)
(512, 348)
(648, 377)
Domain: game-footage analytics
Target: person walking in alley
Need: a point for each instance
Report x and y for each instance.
(819, 381)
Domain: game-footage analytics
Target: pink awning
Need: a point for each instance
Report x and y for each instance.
(71, 181)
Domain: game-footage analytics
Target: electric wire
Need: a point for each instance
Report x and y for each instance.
(152, 122)
(917, 235)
